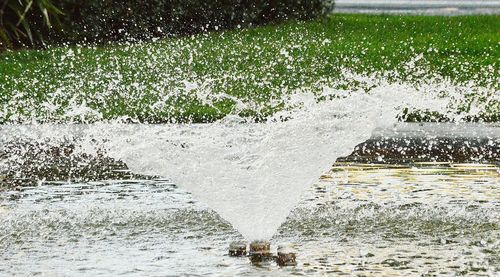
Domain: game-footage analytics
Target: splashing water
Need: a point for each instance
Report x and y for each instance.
(252, 174)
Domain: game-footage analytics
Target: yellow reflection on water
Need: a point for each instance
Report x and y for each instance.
(428, 243)
(435, 181)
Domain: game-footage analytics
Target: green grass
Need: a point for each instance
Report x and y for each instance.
(204, 77)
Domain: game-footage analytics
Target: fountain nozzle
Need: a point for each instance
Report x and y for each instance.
(286, 256)
(237, 249)
(260, 251)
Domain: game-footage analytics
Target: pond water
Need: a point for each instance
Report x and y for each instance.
(358, 219)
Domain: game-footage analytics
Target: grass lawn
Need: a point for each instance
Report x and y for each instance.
(202, 78)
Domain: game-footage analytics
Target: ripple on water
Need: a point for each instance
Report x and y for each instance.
(358, 219)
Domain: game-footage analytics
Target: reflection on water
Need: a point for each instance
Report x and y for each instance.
(358, 219)
(426, 218)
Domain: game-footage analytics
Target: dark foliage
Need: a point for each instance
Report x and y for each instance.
(26, 22)
(116, 20)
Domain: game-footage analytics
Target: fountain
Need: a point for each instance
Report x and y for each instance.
(251, 174)
(289, 149)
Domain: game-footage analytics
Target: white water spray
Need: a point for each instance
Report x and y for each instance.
(252, 174)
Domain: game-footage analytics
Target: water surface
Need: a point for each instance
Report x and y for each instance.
(358, 219)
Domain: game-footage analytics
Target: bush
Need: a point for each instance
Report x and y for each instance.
(116, 20)
(25, 22)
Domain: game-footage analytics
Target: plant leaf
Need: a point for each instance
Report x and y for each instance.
(5, 39)
(26, 9)
(27, 29)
